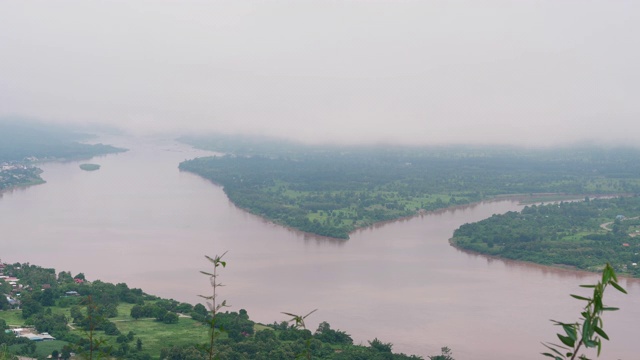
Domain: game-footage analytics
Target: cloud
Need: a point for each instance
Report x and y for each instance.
(518, 72)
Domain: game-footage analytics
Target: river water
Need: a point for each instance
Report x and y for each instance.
(141, 221)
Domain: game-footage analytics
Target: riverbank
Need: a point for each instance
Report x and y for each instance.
(569, 234)
(158, 223)
(22, 186)
(136, 325)
(521, 198)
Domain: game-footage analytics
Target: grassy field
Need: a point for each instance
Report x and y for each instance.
(43, 348)
(154, 335)
(12, 317)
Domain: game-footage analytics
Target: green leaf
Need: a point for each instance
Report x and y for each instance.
(566, 340)
(588, 286)
(586, 331)
(571, 331)
(606, 274)
(550, 355)
(618, 287)
(610, 309)
(600, 332)
(553, 349)
(589, 343)
(580, 297)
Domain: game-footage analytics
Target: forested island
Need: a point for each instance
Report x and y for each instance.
(23, 144)
(584, 234)
(44, 313)
(333, 190)
(89, 167)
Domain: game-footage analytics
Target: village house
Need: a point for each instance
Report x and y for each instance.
(31, 334)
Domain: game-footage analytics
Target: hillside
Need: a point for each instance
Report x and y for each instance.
(45, 312)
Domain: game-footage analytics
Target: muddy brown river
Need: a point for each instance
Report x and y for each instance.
(139, 220)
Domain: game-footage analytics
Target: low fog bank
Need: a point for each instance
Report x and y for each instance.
(349, 72)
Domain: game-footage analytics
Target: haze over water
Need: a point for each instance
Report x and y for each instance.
(139, 220)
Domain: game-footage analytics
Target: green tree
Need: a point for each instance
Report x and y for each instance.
(200, 309)
(446, 354)
(66, 352)
(30, 306)
(80, 276)
(47, 298)
(65, 277)
(326, 334)
(380, 346)
(170, 318)
(137, 312)
(5, 354)
(4, 303)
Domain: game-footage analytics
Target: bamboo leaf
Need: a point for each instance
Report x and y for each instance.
(553, 349)
(586, 331)
(304, 317)
(566, 340)
(550, 355)
(580, 297)
(601, 332)
(610, 309)
(618, 287)
(571, 332)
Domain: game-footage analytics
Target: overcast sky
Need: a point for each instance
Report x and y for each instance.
(430, 72)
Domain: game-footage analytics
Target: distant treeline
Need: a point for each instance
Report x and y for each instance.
(24, 143)
(585, 235)
(20, 140)
(331, 191)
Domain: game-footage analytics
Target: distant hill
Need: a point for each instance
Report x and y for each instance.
(22, 140)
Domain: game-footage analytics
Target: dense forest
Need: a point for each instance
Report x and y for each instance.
(23, 143)
(584, 234)
(331, 191)
(99, 319)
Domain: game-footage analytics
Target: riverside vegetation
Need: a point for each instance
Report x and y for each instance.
(331, 191)
(89, 167)
(583, 234)
(23, 143)
(101, 320)
(98, 319)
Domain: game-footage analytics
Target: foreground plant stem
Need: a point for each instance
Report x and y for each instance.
(212, 303)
